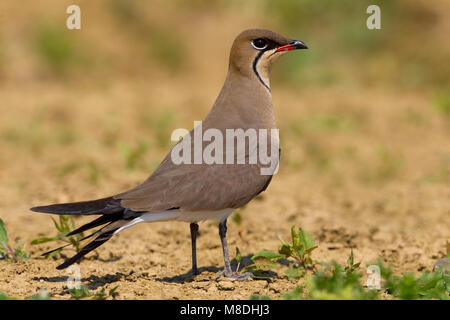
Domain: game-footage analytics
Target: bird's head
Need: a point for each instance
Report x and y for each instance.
(255, 50)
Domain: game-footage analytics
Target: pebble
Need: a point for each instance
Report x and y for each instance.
(200, 285)
(443, 264)
(225, 285)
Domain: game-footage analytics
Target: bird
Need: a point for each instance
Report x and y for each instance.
(195, 192)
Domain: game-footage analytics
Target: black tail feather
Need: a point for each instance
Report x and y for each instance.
(105, 233)
(84, 227)
(112, 214)
(101, 206)
(95, 223)
(51, 251)
(102, 238)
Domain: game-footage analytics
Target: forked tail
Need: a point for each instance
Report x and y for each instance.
(113, 217)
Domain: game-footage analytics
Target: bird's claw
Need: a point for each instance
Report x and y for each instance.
(244, 276)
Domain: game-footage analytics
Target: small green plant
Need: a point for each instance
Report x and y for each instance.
(428, 285)
(297, 294)
(339, 282)
(83, 293)
(335, 281)
(42, 295)
(80, 293)
(257, 297)
(65, 226)
(4, 296)
(8, 253)
(351, 265)
(299, 250)
(264, 261)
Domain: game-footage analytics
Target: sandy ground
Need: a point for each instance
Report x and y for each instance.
(377, 183)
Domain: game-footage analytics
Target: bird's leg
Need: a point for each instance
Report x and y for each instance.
(194, 232)
(223, 239)
(227, 270)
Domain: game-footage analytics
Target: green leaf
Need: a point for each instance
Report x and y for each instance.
(295, 238)
(64, 223)
(80, 293)
(238, 255)
(100, 295)
(305, 239)
(256, 297)
(45, 239)
(308, 251)
(294, 273)
(54, 253)
(270, 255)
(3, 236)
(259, 269)
(70, 223)
(296, 294)
(57, 226)
(350, 259)
(112, 292)
(65, 226)
(285, 249)
(20, 255)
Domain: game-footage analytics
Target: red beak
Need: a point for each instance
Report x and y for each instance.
(294, 45)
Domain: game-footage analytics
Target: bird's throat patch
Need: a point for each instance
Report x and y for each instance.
(260, 68)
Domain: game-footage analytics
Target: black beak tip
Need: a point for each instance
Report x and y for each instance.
(299, 44)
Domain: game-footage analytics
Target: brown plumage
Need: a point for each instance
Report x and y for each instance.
(194, 192)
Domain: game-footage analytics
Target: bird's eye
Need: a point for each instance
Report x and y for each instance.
(259, 44)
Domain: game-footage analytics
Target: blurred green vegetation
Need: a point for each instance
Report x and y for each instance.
(59, 49)
(326, 123)
(53, 45)
(406, 52)
(168, 48)
(163, 45)
(161, 123)
(341, 44)
(442, 103)
(136, 41)
(35, 133)
(133, 154)
(90, 170)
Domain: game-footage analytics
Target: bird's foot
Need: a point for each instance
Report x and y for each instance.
(194, 272)
(244, 276)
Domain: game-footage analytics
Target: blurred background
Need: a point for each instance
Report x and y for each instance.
(364, 115)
